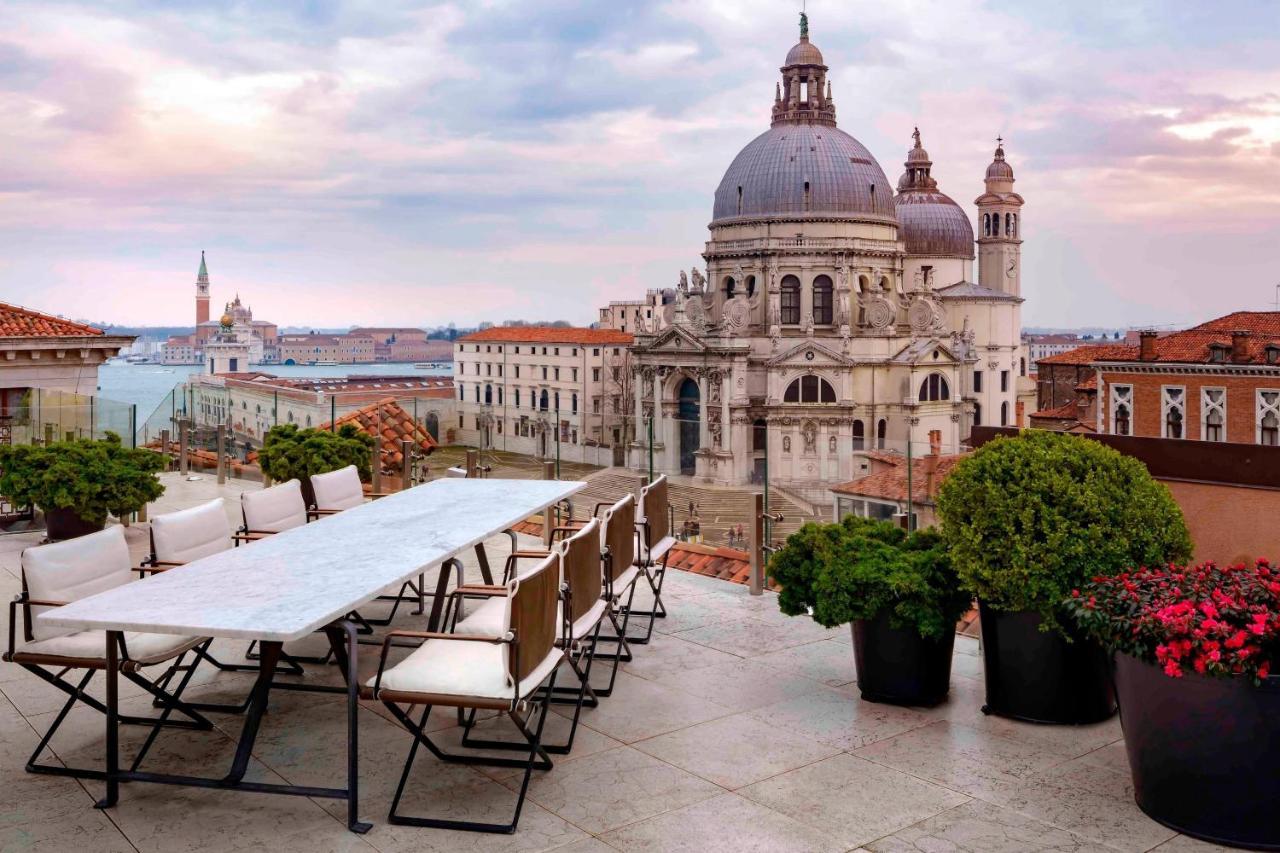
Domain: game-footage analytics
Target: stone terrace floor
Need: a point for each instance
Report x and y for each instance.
(736, 729)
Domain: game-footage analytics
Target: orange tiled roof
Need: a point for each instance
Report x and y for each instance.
(1264, 323)
(1066, 410)
(18, 322)
(388, 421)
(548, 335)
(1092, 353)
(891, 484)
(1193, 346)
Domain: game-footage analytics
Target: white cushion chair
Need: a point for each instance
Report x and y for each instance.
(272, 510)
(656, 542)
(57, 574)
(501, 672)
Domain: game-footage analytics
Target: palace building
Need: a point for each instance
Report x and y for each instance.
(835, 315)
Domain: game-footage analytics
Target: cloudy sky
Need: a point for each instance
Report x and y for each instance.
(384, 161)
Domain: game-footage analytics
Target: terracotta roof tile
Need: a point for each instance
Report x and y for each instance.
(1092, 353)
(549, 335)
(18, 322)
(1066, 410)
(891, 484)
(389, 419)
(1262, 323)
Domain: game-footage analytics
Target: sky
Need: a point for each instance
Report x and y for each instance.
(381, 162)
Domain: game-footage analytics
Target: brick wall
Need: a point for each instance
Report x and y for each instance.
(1056, 383)
(1241, 415)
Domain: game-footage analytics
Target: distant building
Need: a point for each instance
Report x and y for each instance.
(400, 344)
(1219, 381)
(39, 351)
(260, 335)
(254, 402)
(887, 478)
(638, 315)
(1043, 346)
(327, 349)
(519, 387)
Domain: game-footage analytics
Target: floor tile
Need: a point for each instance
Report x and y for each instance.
(828, 661)
(839, 717)
(670, 656)
(748, 637)
(854, 800)
(724, 824)
(978, 827)
(614, 788)
(735, 751)
(742, 684)
(641, 709)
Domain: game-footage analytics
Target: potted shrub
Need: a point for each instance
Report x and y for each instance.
(78, 483)
(1194, 652)
(897, 591)
(1030, 518)
(290, 453)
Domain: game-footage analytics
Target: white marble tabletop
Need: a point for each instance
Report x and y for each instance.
(290, 584)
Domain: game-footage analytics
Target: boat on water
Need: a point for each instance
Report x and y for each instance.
(428, 365)
(326, 363)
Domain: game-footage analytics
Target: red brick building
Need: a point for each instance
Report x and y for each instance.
(1219, 381)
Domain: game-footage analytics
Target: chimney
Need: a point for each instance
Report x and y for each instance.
(1019, 409)
(1240, 346)
(1147, 345)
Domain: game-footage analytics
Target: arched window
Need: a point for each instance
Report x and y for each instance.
(517, 398)
(790, 300)
(575, 403)
(859, 435)
(977, 414)
(499, 395)
(822, 311)
(729, 285)
(543, 401)
(751, 286)
(1008, 224)
(809, 389)
(1004, 414)
(1015, 224)
(759, 435)
(477, 393)
(934, 388)
(557, 401)
(882, 428)
(488, 395)
(986, 225)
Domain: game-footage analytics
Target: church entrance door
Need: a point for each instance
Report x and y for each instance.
(687, 415)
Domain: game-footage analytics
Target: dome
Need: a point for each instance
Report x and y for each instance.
(930, 223)
(804, 53)
(999, 169)
(768, 177)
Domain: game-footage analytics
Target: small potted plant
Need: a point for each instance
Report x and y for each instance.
(1194, 651)
(1030, 518)
(290, 453)
(78, 483)
(897, 591)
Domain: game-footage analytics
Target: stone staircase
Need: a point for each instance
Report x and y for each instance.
(719, 508)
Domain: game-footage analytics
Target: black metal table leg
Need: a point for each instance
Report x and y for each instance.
(346, 654)
(483, 559)
(113, 726)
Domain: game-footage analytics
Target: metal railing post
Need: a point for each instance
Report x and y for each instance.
(164, 443)
(473, 462)
(756, 545)
(222, 453)
(406, 463)
(184, 441)
(548, 473)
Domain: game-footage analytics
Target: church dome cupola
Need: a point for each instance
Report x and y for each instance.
(805, 94)
(999, 170)
(930, 223)
(803, 165)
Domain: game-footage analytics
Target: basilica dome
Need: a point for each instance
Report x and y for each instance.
(797, 169)
(929, 222)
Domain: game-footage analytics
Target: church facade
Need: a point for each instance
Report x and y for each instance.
(835, 315)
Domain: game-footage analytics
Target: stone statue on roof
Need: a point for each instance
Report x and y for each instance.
(699, 281)
(683, 285)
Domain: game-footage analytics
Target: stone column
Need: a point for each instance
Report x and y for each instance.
(637, 391)
(658, 422)
(704, 413)
(725, 383)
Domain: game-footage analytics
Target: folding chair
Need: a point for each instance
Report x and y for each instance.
(620, 538)
(500, 672)
(63, 572)
(182, 537)
(340, 490)
(655, 546)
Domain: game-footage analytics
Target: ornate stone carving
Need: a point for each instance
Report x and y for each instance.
(698, 282)
(682, 285)
(831, 444)
(879, 312)
(786, 444)
(810, 434)
(737, 314)
(924, 315)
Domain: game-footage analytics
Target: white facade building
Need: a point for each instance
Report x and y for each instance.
(834, 314)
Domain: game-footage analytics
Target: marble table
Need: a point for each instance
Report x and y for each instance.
(294, 583)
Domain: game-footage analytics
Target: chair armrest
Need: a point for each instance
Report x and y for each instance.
(516, 556)
(155, 567)
(480, 589)
(251, 535)
(319, 512)
(36, 602)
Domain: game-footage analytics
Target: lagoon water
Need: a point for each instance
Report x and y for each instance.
(147, 385)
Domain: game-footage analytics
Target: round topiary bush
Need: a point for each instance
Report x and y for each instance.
(290, 453)
(1030, 518)
(860, 569)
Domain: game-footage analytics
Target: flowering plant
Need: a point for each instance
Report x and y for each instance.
(1212, 620)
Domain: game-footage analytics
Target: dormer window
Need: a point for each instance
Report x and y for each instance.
(1218, 353)
(1273, 353)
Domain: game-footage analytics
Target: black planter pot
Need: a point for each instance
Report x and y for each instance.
(65, 524)
(1039, 677)
(1204, 752)
(898, 666)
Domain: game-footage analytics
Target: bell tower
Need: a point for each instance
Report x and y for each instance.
(1000, 228)
(202, 292)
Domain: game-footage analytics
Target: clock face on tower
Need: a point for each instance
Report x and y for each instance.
(1012, 270)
